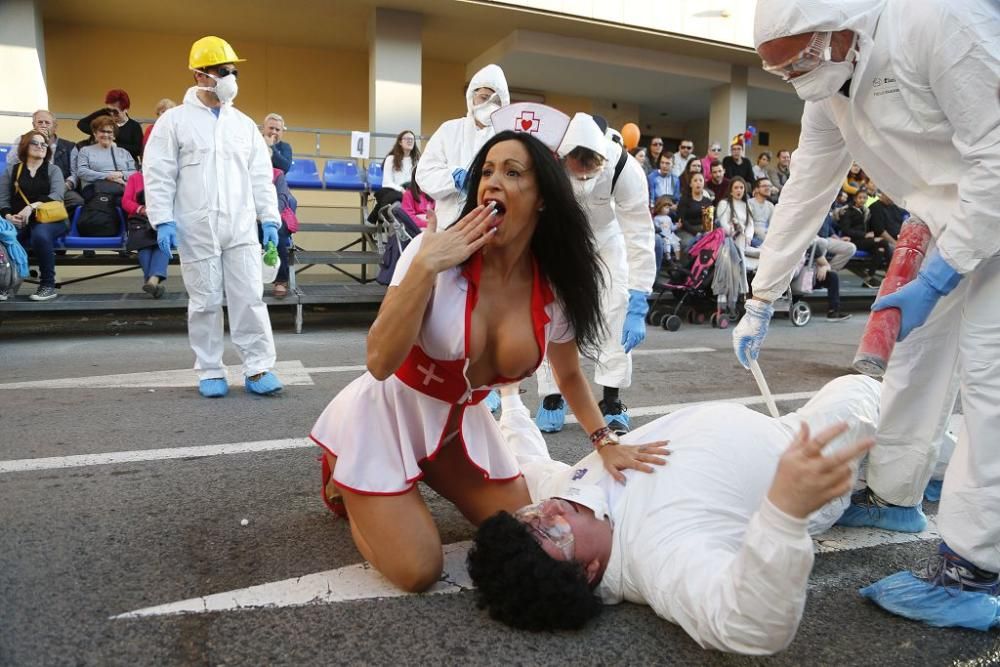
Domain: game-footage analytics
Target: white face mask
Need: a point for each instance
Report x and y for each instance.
(482, 112)
(827, 78)
(583, 188)
(225, 88)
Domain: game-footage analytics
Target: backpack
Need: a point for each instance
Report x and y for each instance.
(99, 217)
(400, 230)
(10, 277)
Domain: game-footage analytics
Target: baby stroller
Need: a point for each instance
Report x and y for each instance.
(393, 232)
(690, 287)
(791, 303)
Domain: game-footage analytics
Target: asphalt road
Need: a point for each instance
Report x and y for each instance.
(79, 545)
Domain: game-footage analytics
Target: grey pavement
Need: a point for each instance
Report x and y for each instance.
(79, 545)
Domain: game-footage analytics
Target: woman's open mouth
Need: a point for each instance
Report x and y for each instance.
(500, 209)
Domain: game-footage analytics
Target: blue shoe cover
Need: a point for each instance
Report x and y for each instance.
(266, 384)
(213, 387)
(621, 419)
(551, 421)
(899, 519)
(905, 595)
(493, 401)
(932, 493)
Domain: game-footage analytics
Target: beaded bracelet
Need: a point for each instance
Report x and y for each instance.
(603, 437)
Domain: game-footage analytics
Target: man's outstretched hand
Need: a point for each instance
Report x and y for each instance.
(806, 479)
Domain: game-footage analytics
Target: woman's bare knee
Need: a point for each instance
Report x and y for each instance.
(417, 575)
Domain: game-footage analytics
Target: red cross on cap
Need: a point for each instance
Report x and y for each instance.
(527, 122)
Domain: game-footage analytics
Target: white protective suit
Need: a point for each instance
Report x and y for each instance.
(212, 176)
(923, 120)
(697, 540)
(453, 146)
(623, 230)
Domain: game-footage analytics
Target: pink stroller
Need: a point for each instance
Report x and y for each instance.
(690, 287)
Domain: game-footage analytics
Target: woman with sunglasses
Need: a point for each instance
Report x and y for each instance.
(128, 132)
(519, 273)
(24, 186)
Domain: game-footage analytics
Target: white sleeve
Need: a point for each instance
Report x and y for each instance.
(632, 210)
(817, 170)
(265, 197)
(964, 66)
(748, 600)
(722, 217)
(390, 178)
(159, 171)
(525, 441)
(433, 168)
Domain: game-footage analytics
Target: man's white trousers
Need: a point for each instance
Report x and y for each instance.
(959, 345)
(236, 273)
(613, 365)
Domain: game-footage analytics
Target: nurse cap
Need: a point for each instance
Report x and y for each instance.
(546, 124)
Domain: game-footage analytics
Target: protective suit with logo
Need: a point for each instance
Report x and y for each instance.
(212, 177)
(921, 115)
(619, 216)
(454, 144)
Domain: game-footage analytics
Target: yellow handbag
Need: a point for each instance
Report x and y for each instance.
(50, 211)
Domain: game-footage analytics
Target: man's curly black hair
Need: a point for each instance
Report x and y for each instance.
(523, 586)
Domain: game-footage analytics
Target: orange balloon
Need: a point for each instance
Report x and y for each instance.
(630, 135)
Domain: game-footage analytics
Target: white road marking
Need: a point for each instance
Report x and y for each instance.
(290, 372)
(354, 582)
(840, 538)
(643, 352)
(362, 582)
(673, 407)
(337, 369)
(141, 455)
(138, 455)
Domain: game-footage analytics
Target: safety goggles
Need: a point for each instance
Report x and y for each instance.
(220, 72)
(817, 51)
(544, 525)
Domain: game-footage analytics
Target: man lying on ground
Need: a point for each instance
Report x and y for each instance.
(716, 541)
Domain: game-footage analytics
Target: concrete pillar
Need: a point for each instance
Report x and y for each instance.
(22, 74)
(394, 75)
(728, 113)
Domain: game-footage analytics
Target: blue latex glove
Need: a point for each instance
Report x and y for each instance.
(749, 334)
(459, 176)
(917, 298)
(635, 320)
(270, 230)
(166, 236)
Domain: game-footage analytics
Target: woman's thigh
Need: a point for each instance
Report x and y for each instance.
(456, 479)
(397, 535)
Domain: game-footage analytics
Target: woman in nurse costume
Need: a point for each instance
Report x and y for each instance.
(469, 308)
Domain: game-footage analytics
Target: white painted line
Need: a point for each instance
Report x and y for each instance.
(840, 538)
(139, 455)
(337, 369)
(643, 352)
(674, 407)
(109, 458)
(354, 582)
(362, 582)
(290, 372)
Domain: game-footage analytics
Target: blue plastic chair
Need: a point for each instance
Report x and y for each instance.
(303, 174)
(74, 240)
(4, 149)
(374, 175)
(343, 175)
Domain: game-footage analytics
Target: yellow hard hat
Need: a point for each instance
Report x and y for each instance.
(211, 50)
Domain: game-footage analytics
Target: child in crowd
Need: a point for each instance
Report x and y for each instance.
(666, 228)
(415, 202)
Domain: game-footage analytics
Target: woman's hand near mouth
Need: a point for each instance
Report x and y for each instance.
(440, 251)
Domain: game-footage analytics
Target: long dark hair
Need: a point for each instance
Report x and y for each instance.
(732, 202)
(563, 242)
(397, 151)
(686, 175)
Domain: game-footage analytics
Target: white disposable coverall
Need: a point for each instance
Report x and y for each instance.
(453, 146)
(697, 539)
(623, 230)
(923, 120)
(212, 176)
